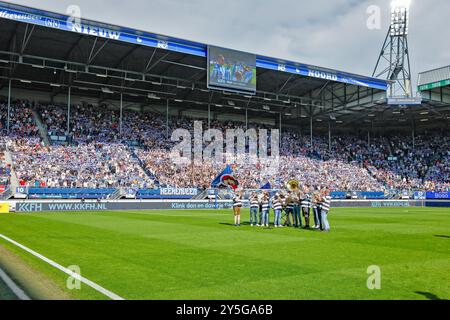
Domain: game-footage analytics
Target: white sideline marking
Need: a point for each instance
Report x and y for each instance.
(88, 282)
(13, 287)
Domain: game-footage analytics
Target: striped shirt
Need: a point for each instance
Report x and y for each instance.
(326, 204)
(306, 201)
(276, 204)
(315, 203)
(237, 202)
(254, 203)
(291, 201)
(265, 205)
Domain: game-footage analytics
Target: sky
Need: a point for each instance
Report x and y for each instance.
(326, 33)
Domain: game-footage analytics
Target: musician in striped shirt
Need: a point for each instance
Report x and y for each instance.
(290, 209)
(254, 206)
(297, 214)
(260, 201)
(277, 208)
(265, 210)
(306, 206)
(284, 204)
(237, 205)
(316, 207)
(325, 208)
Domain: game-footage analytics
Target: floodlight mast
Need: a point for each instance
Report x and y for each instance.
(393, 62)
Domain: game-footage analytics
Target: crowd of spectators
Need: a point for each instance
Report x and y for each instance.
(98, 153)
(5, 168)
(93, 165)
(21, 120)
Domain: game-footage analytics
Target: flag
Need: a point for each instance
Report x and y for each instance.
(267, 186)
(218, 181)
(230, 181)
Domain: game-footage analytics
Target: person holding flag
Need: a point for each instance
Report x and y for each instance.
(237, 205)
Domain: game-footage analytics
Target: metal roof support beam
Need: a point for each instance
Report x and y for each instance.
(285, 83)
(156, 63)
(72, 48)
(170, 64)
(281, 129)
(81, 68)
(343, 107)
(68, 110)
(94, 53)
(433, 110)
(319, 93)
(311, 126)
(12, 48)
(365, 115)
(9, 107)
(121, 114)
(183, 65)
(333, 94)
(167, 119)
(26, 38)
(246, 118)
(149, 61)
(294, 84)
(329, 136)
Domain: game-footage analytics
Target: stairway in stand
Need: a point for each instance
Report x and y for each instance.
(42, 129)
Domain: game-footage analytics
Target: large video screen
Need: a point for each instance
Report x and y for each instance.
(233, 70)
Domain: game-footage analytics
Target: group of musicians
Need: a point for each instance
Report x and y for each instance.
(292, 208)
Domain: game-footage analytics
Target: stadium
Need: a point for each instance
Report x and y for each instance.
(94, 207)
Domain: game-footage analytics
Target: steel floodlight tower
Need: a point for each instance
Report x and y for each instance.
(393, 62)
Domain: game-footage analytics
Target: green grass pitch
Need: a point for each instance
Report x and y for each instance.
(200, 255)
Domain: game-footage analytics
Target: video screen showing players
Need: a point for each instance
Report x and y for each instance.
(229, 69)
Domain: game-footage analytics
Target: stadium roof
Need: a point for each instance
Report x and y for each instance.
(434, 87)
(137, 37)
(436, 78)
(50, 52)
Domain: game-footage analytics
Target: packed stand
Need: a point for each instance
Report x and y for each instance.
(97, 155)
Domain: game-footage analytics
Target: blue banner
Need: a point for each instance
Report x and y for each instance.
(167, 193)
(81, 193)
(420, 195)
(438, 195)
(335, 76)
(66, 23)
